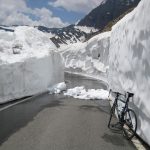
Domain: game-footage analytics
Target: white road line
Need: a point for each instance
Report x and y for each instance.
(21, 101)
(6, 107)
(138, 144)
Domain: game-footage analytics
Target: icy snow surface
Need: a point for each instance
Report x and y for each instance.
(129, 60)
(28, 63)
(89, 58)
(82, 93)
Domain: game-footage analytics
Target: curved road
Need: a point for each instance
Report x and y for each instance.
(56, 122)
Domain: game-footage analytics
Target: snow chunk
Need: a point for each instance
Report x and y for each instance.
(58, 88)
(82, 93)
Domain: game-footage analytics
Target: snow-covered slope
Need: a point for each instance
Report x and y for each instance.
(86, 29)
(90, 58)
(129, 61)
(28, 63)
(66, 35)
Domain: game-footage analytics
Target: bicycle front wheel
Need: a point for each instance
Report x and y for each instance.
(130, 124)
(112, 114)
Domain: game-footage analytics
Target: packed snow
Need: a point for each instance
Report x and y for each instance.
(8, 27)
(29, 63)
(23, 43)
(81, 93)
(129, 62)
(90, 58)
(58, 88)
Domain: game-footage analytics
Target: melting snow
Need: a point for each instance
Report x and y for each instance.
(58, 88)
(82, 93)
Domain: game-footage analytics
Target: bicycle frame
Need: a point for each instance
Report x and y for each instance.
(124, 115)
(120, 115)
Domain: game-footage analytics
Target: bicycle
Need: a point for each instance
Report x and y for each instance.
(126, 116)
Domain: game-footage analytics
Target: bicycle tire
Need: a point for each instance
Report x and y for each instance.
(130, 124)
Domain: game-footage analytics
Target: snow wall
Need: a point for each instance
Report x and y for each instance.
(89, 58)
(32, 76)
(29, 63)
(129, 62)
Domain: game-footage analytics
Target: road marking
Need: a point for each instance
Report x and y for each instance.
(21, 101)
(137, 143)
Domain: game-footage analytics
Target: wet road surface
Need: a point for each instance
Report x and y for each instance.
(56, 122)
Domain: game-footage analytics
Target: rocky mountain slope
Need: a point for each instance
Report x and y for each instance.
(67, 35)
(106, 12)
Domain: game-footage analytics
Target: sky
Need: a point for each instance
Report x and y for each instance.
(49, 13)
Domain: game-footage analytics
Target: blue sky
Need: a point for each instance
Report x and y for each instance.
(67, 16)
(50, 13)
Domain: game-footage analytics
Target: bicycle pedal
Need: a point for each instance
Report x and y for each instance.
(117, 125)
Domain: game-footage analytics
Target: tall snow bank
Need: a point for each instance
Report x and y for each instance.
(24, 41)
(90, 58)
(28, 63)
(129, 62)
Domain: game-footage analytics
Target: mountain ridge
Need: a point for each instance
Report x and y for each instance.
(106, 12)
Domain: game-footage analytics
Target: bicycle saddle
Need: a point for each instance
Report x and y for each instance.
(130, 94)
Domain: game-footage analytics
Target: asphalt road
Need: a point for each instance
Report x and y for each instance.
(56, 122)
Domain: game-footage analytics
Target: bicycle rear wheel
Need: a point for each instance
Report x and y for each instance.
(130, 124)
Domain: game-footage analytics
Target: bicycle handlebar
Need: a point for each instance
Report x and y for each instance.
(117, 93)
(129, 94)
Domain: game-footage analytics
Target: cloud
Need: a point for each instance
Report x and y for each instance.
(16, 12)
(83, 6)
(46, 18)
